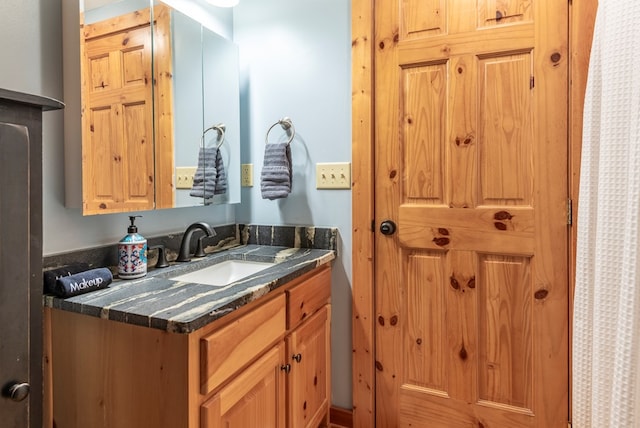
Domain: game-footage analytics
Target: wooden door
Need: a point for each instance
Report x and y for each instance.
(117, 155)
(471, 164)
(309, 381)
(254, 398)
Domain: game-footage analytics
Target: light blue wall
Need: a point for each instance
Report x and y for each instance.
(295, 57)
(295, 61)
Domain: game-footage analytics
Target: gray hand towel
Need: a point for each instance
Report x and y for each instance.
(275, 180)
(83, 282)
(204, 180)
(221, 175)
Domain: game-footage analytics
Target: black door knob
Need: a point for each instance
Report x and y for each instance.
(388, 227)
(17, 391)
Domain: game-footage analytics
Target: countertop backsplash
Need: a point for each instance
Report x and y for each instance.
(227, 236)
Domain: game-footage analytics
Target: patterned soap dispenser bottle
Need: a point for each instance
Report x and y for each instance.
(132, 253)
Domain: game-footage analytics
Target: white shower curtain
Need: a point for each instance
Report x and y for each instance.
(606, 346)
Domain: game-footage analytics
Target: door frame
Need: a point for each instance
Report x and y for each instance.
(581, 23)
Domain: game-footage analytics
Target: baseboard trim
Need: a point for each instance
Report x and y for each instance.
(341, 417)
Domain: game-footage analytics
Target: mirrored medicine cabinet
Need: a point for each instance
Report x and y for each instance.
(153, 80)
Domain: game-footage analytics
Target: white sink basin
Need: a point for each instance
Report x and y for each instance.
(223, 273)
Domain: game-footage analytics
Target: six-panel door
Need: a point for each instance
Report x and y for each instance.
(471, 163)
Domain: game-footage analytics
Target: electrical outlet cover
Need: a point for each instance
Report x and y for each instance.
(246, 175)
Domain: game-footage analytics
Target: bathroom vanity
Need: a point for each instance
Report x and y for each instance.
(163, 353)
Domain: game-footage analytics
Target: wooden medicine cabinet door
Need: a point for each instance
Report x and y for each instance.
(117, 115)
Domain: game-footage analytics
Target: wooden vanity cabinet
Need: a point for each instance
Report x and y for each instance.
(289, 385)
(266, 364)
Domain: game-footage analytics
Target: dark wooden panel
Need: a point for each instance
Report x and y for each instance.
(21, 252)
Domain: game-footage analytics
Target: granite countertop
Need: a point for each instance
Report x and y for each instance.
(158, 302)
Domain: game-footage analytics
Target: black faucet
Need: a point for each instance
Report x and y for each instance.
(185, 245)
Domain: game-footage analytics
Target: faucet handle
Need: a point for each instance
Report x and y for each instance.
(200, 248)
(162, 260)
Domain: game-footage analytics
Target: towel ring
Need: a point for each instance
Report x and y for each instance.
(287, 125)
(221, 127)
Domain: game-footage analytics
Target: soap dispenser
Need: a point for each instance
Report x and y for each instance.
(132, 253)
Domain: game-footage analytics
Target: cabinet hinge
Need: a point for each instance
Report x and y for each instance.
(569, 212)
(532, 82)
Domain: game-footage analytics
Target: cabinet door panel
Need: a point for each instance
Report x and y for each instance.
(309, 381)
(117, 151)
(227, 350)
(255, 398)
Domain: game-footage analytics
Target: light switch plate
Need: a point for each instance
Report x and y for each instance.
(184, 177)
(246, 175)
(333, 175)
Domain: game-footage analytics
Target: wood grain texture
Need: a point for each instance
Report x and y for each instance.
(309, 381)
(483, 229)
(307, 297)
(461, 144)
(389, 168)
(255, 398)
(442, 48)
(462, 325)
(424, 334)
(138, 18)
(505, 335)
(164, 144)
(362, 213)
(505, 134)
(117, 123)
(341, 418)
(500, 12)
(461, 161)
(423, 18)
(495, 231)
(107, 373)
(550, 311)
(227, 350)
(425, 105)
(97, 362)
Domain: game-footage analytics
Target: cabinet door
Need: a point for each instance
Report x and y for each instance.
(309, 381)
(255, 398)
(117, 141)
(15, 274)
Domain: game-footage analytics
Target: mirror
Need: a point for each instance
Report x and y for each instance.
(160, 103)
(200, 55)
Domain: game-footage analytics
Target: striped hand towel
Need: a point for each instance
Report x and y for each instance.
(221, 175)
(204, 180)
(275, 180)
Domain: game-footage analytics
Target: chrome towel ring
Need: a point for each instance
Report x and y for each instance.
(287, 125)
(221, 127)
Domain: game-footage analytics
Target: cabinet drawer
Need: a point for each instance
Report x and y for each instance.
(227, 350)
(309, 296)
